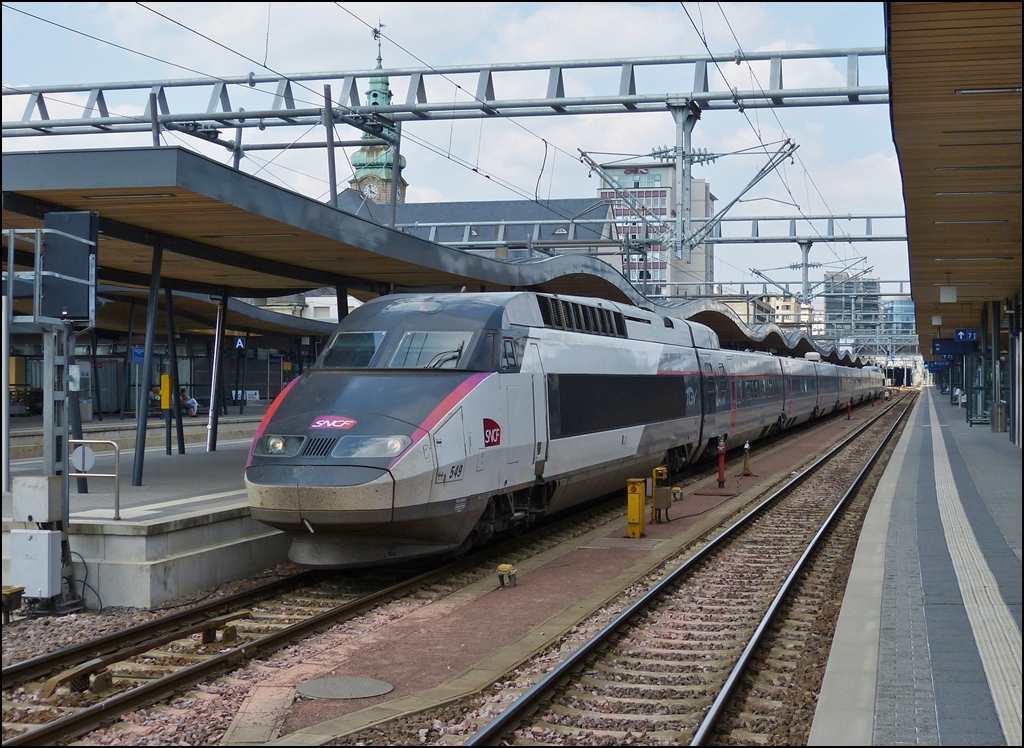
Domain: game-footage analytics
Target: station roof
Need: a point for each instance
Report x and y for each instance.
(224, 231)
(955, 84)
(222, 228)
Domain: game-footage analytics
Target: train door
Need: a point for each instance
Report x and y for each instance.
(450, 450)
(540, 411)
(709, 403)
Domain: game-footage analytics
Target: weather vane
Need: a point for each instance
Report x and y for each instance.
(377, 34)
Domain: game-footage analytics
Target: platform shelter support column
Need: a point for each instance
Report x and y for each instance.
(245, 361)
(342, 293)
(215, 374)
(126, 386)
(172, 352)
(142, 402)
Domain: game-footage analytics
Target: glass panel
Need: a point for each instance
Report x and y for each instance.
(430, 350)
(352, 350)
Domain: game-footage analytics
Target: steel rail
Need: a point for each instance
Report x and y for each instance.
(493, 732)
(36, 667)
(77, 723)
(722, 700)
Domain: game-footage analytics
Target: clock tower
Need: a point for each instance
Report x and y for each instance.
(374, 164)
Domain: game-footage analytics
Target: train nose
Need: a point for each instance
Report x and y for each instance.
(330, 498)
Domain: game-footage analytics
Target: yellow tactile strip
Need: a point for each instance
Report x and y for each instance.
(996, 633)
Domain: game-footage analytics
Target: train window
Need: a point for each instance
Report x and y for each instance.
(430, 350)
(352, 350)
(508, 356)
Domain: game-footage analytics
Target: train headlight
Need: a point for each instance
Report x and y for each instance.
(371, 446)
(278, 446)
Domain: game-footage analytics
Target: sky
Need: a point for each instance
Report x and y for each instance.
(846, 162)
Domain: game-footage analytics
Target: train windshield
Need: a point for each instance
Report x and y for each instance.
(352, 350)
(430, 350)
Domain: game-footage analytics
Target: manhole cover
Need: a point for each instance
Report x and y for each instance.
(344, 688)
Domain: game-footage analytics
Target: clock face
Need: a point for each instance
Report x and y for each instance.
(371, 190)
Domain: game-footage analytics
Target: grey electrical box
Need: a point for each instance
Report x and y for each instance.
(35, 562)
(36, 498)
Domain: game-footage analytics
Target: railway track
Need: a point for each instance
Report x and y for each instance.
(69, 692)
(66, 693)
(666, 668)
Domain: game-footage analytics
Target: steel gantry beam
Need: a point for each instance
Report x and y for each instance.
(296, 102)
(607, 232)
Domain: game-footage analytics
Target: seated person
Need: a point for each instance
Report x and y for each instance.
(154, 397)
(189, 404)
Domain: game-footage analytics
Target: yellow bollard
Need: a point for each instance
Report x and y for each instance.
(636, 496)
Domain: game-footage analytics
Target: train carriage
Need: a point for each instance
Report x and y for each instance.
(431, 422)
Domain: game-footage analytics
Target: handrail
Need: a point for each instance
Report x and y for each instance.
(116, 475)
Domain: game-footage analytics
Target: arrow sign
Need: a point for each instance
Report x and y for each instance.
(967, 335)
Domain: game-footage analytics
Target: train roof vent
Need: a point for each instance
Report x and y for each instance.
(319, 446)
(575, 317)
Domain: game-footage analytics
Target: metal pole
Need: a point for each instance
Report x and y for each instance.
(332, 175)
(214, 417)
(342, 293)
(7, 389)
(128, 360)
(94, 379)
(245, 361)
(8, 310)
(994, 317)
(154, 120)
(396, 173)
(74, 410)
(686, 117)
(172, 349)
(146, 376)
(49, 435)
(805, 293)
(238, 149)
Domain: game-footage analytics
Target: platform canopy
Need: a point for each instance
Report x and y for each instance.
(223, 229)
(955, 84)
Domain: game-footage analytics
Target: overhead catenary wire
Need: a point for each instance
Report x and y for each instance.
(785, 184)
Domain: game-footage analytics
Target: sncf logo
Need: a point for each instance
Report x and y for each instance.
(492, 433)
(332, 422)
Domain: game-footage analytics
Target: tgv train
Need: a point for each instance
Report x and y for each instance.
(430, 422)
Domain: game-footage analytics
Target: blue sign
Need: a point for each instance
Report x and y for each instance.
(239, 344)
(951, 347)
(966, 335)
(138, 354)
(937, 364)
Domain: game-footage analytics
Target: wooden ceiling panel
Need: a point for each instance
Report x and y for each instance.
(960, 153)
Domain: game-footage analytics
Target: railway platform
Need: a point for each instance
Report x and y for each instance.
(186, 529)
(927, 649)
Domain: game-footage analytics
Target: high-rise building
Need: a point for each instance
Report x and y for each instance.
(652, 186)
(852, 306)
